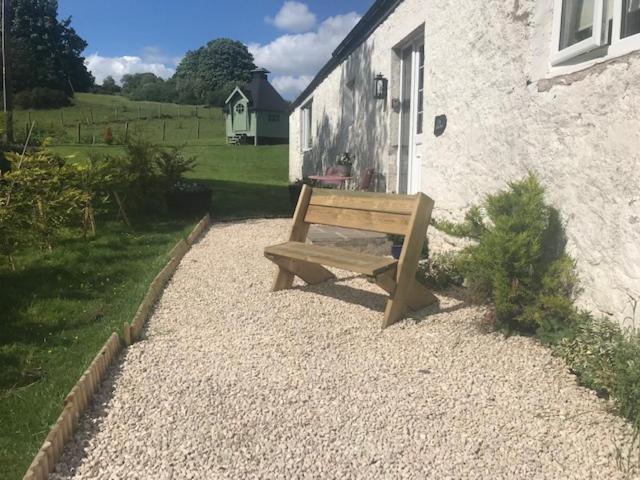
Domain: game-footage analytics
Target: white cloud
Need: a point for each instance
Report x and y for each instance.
(289, 86)
(293, 17)
(294, 59)
(154, 60)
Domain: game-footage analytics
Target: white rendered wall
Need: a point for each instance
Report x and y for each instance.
(488, 70)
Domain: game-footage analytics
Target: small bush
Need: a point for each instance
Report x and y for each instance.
(107, 136)
(440, 271)
(41, 98)
(607, 360)
(172, 165)
(519, 263)
(472, 227)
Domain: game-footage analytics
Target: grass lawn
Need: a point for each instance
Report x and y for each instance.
(60, 307)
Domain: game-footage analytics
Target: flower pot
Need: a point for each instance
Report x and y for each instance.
(396, 250)
(188, 199)
(342, 170)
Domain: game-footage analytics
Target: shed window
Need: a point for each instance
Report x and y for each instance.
(306, 127)
(581, 26)
(240, 108)
(273, 117)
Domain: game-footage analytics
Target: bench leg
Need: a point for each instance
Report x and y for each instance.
(418, 296)
(288, 267)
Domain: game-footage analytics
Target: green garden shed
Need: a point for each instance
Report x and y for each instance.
(256, 113)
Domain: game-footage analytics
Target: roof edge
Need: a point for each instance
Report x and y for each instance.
(239, 90)
(371, 20)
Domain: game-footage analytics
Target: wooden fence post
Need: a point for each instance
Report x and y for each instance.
(198, 129)
(126, 132)
(196, 111)
(139, 113)
(164, 130)
(79, 131)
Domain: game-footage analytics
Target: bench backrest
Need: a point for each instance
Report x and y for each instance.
(376, 212)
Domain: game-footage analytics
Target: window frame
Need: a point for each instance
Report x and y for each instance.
(597, 39)
(620, 46)
(306, 126)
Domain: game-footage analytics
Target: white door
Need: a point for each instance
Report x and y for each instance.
(412, 118)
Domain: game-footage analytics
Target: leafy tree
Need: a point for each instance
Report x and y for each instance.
(204, 72)
(46, 52)
(109, 86)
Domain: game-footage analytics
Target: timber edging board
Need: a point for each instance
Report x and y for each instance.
(79, 398)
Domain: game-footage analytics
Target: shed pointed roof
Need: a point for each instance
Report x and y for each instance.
(261, 93)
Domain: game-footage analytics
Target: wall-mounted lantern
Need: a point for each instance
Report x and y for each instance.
(380, 87)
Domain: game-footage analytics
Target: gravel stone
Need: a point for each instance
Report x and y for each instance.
(234, 381)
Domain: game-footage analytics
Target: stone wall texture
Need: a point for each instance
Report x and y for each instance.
(487, 69)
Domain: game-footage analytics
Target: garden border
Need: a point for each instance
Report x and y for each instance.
(79, 398)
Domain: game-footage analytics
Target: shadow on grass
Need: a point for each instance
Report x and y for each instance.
(54, 293)
(248, 200)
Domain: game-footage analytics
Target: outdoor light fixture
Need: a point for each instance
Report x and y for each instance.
(380, 91)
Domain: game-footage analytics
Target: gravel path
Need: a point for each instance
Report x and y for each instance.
(236, 382)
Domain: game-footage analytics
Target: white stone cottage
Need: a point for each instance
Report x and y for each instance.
(549, 86)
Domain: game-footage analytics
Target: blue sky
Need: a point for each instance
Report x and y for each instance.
(293, 39)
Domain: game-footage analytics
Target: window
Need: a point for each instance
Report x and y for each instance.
(273, 117)
(420, 104)
(240, 108)
(581, 26)
(307, 117)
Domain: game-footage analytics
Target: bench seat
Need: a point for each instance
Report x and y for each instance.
(341, 258)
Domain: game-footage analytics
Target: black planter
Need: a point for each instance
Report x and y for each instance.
(396, 250)
(189, 199)
(294, 194)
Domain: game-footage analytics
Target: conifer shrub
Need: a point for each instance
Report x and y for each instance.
(519, 263)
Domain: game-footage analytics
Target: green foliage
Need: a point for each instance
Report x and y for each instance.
(519, 263)
(41, 98)
(173, 164)
(108, 87)
(472, 227)
(440, 271)
(607, 360)
(149, 87)
(207, 74)
(42, 193)
(46, 52)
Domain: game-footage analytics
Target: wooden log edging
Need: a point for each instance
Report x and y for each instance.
(79, 398)
(132, 331)
(75, 404)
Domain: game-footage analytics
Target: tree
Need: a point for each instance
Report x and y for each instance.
(46, 52)
(211, 68)
(109, 86)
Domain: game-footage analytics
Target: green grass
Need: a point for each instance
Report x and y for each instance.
(60, 307)
(95, 113)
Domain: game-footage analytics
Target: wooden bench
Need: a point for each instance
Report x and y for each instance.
(376, 212)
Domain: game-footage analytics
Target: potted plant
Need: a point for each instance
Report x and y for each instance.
(344, 164)
(397, 241)
(396, 245)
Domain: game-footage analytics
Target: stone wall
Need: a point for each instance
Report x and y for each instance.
(508, 113)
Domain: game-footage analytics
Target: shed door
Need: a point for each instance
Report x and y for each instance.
(240, 116)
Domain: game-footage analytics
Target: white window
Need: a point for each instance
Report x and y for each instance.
(306, 127)
(581, 26)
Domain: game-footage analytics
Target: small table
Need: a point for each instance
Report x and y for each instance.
(337, 180)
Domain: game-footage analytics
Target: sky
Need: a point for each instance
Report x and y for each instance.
(293, 39)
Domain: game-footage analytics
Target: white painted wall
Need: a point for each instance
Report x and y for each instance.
(488, 70)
